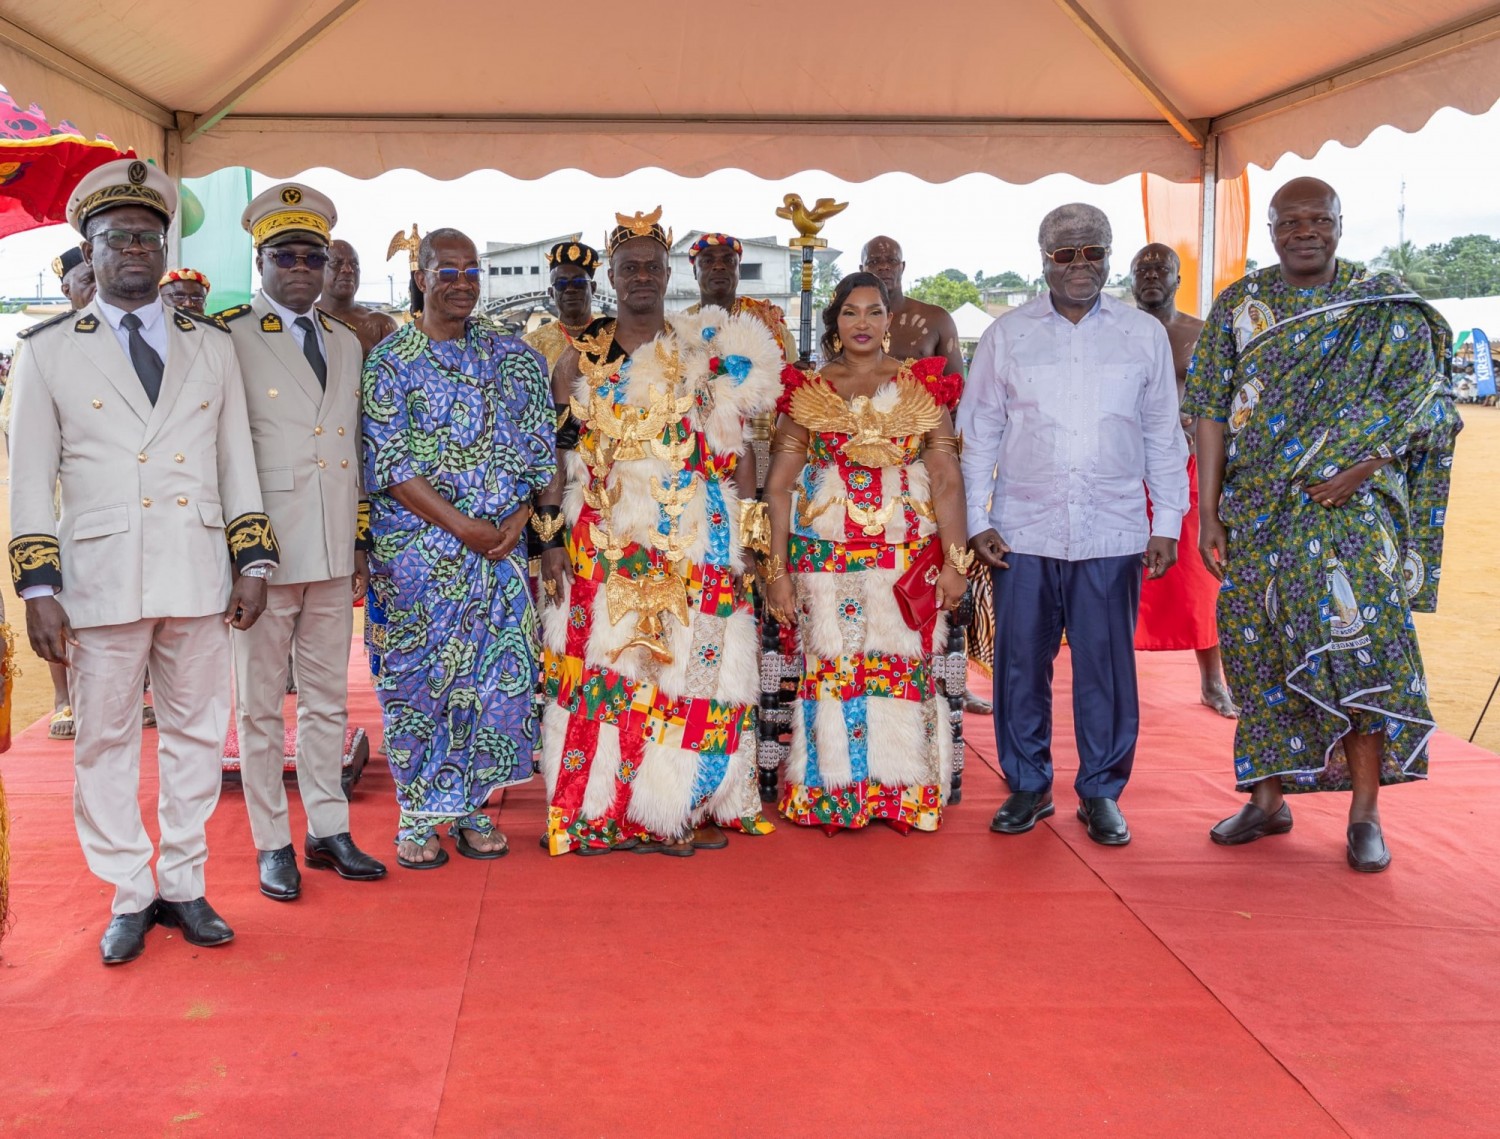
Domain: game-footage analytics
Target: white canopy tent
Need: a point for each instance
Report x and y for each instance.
(971, 321)
(1188, 89)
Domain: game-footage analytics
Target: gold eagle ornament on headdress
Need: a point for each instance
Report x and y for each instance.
(817, 407)
(638, 224)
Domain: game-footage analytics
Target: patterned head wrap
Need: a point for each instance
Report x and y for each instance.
(714, 239)
(629, 227)
(586, 257)
(185, 275)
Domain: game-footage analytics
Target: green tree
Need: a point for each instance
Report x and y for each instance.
(826, 276)
(1417, 267)
(1006, 280)
(945, 292)
(1466, 266)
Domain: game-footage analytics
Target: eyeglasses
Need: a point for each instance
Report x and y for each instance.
(563, 284)
(449, 276)
(151, 240)
(285, 259)
(1069, 253)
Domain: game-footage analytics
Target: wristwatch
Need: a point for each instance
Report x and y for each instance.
(262, 572)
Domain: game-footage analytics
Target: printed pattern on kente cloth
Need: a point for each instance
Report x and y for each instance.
(455, 661)
(869, 739)
(1315, 611)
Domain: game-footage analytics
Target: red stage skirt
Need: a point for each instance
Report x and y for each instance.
(1177, 609)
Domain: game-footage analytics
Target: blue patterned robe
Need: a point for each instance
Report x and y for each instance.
(473, 417)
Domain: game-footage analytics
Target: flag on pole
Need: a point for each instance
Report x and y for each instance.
(213, 241)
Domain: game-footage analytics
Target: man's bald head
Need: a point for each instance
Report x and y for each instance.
(1302, 190)
(882, 256)
(1305, 224)
(1155, 273)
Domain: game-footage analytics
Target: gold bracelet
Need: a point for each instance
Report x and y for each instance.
(949, 443)
(546, 525)
(786, 444)
(773, 569)
(960, 559)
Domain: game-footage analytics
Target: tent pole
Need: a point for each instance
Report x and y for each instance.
(1207, 194)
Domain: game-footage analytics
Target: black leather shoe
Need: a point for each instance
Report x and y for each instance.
(280, 880)
(1367, 850)
(1252, 823)
(197, 920)
(1022, 811)
(125, 938)
(339, 852)
(1106, 824)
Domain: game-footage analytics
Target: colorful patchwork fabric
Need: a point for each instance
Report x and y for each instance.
(1315, 610)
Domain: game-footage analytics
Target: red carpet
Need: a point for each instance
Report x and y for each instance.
(953, 984)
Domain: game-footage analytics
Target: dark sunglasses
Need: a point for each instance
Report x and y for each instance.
(1069, 253)
(562, 284)
(448, 276)
(152, 241)
(285, 259)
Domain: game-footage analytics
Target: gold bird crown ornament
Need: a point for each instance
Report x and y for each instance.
(809, 222)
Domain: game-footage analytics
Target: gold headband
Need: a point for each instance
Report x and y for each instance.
(127, 195)
(283, 220)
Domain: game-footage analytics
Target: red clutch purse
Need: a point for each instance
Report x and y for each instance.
(916, 589)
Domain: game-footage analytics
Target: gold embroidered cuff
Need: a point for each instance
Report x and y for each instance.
(755, 526)
(35, 559)
(362, 538)
(960, 559)
(547, 521)
(252, 540)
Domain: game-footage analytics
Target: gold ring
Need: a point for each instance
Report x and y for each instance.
(1328, 502)
(550, 587)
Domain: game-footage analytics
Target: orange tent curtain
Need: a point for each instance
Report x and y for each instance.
(1172, 218)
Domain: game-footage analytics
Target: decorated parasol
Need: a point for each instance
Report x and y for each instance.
(40, 164)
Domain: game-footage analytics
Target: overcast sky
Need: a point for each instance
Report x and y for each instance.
(976, 222)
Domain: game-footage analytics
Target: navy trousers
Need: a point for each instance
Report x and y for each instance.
(1095, 602)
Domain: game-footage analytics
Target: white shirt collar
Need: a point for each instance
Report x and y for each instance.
(1047, 308)
(150, 314)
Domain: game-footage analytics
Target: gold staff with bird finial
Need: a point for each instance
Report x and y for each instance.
(808, 222)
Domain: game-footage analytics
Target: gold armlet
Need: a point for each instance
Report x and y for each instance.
(786, 444)
(960, 559)
(953, 444)
(755, 526)
(547, 525)
(772, 569)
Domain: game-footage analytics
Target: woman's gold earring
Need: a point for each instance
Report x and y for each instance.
(885, 344)
(838, 345)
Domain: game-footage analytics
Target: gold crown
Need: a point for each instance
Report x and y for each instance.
(629, 227)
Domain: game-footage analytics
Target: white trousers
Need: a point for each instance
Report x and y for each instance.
(314, 621)
(189, 661)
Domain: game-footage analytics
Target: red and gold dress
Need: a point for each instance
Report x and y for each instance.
(870, 733)
(651, 669)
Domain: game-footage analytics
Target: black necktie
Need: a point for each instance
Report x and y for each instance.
(311, 350)
(148, 365)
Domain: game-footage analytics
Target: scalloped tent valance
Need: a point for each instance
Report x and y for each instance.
(1096, 88)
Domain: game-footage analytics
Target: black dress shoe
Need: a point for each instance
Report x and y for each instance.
(339, 852)
(197, 920)
(125, 938)
(1367, 850)
(280, 880)
(1022, 811)
(1106, 824)
(1251, 823)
